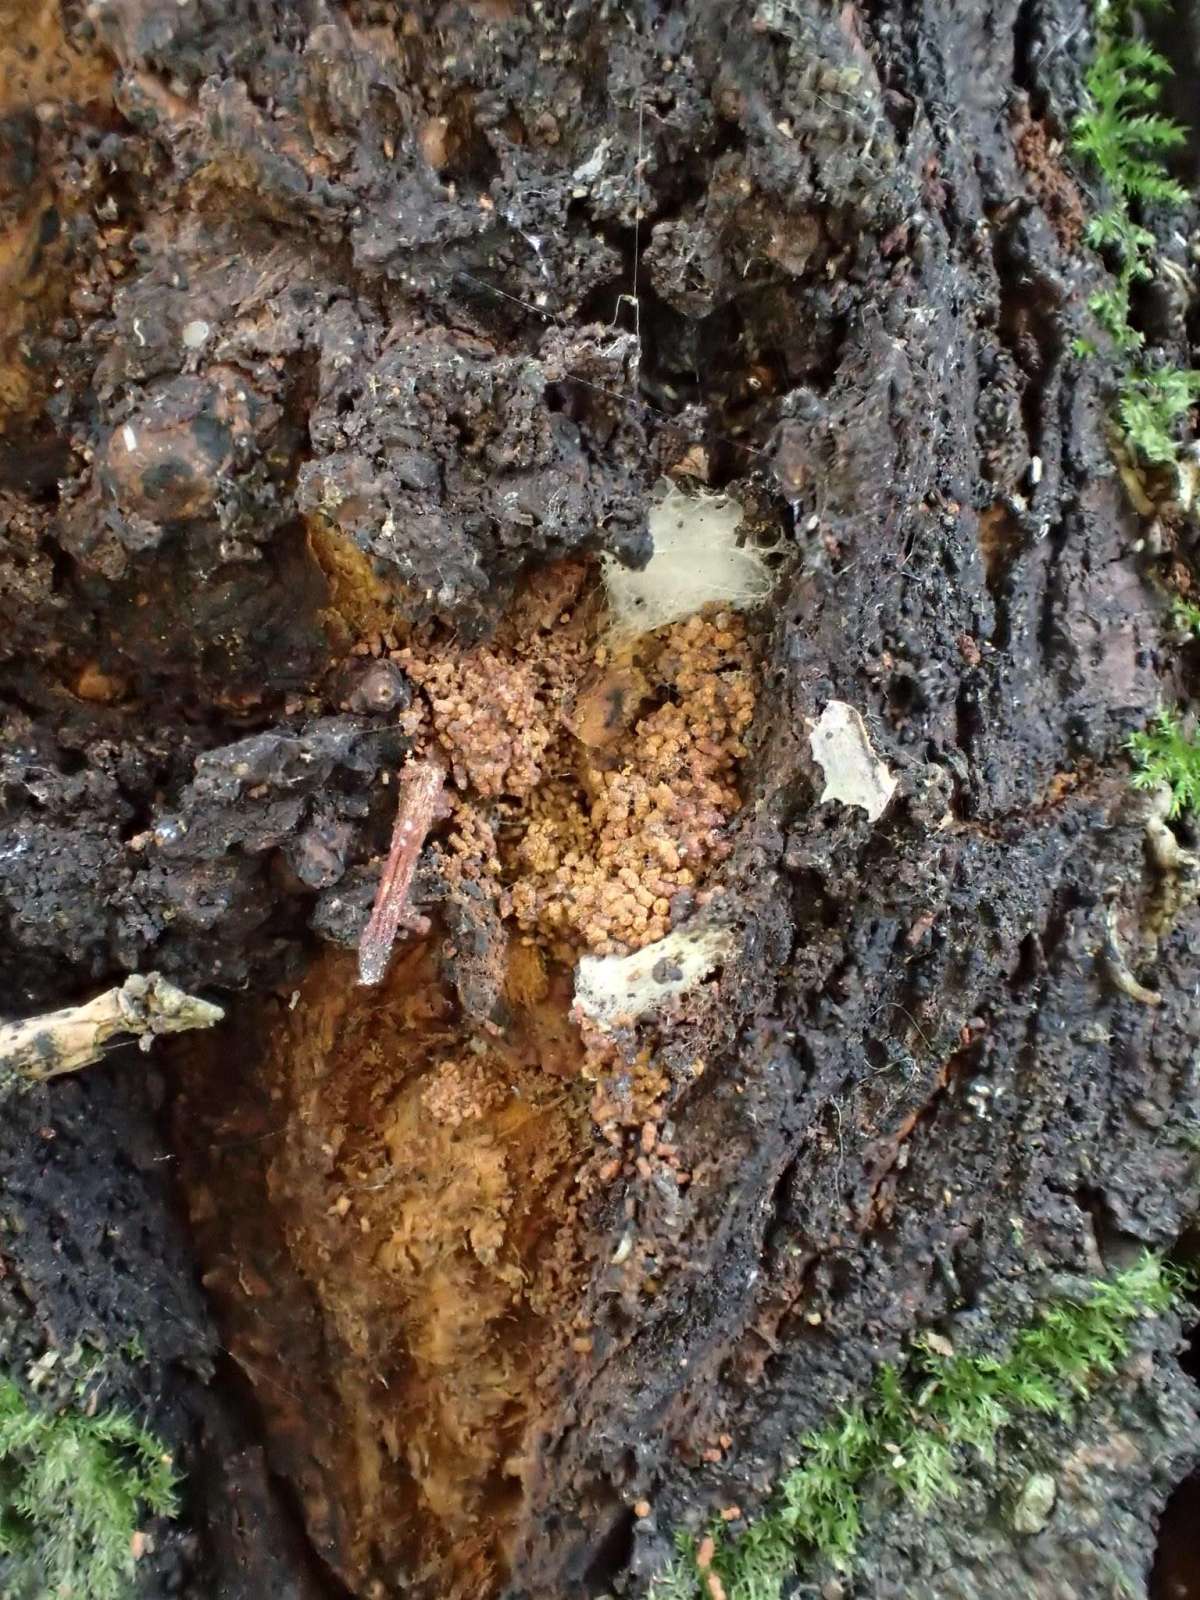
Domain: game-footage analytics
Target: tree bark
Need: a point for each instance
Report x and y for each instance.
(323, 315)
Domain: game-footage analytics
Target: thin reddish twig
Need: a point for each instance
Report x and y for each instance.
(420, 799)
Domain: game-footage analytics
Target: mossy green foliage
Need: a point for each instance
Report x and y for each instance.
(918, 1432)
(1166, 754)
(72, 1491)
(1185, 615)
(1128, 140)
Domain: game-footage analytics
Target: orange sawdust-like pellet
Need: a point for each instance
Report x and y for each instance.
(487, 717)
(458, 1092)
(587, 844)
(604, 855)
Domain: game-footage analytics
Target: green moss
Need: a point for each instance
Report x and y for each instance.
(1165, 754)
(1150, 406)
(919, 1432)
(72, 1491)
(1185, 615)
(1127, 139)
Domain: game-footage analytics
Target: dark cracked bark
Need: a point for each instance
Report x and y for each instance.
(293, 282)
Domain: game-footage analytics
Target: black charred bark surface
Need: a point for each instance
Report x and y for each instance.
(330, 261)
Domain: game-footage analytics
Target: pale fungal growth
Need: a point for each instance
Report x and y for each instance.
(195, 333)
(697, 561)
(854, 774)
(607, 987)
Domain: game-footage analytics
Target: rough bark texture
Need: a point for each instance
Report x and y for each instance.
(322, 319)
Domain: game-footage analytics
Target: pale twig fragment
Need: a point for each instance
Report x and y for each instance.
(420, 798)
(854, 774)
(145, 1005)
(607, 987)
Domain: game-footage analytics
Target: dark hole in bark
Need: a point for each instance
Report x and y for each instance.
(34, 465)
(1029, 965)
(1176, 1572)
(1177, 35)
(250, 1503)
(1186, 1256)
(1024, 41)
(905, 694)
(613, 1555)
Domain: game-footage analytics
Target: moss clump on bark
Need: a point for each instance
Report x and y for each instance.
(1166, 754)
(72, 1491)
(917, 1431)
(1128, 140)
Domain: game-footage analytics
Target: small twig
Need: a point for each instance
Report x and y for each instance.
(63, 1041)
(420, 797)
(637, 228)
